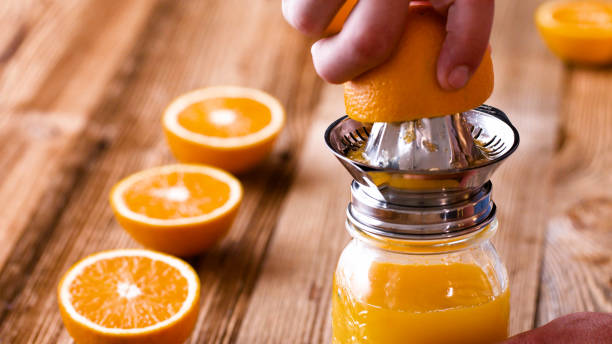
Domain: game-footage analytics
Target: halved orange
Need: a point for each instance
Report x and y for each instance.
(406, 87)
(577, 31)
(230, 127)
(180, 209)
(129, 296)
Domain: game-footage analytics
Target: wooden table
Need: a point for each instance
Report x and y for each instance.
(82, 87)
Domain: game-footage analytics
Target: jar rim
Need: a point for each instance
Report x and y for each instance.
(426, 244)
(403, 221)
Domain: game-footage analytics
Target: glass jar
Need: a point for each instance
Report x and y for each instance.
(419, 290)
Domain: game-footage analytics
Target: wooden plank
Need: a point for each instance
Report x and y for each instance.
(528, 87)
(185, 45)
(293, 291)
(64, 49)
(53, 71)
(32, 148)
(577, 268)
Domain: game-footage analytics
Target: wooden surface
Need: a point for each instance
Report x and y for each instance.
(82, 87)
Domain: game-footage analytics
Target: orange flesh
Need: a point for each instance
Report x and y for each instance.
(585, 14)
(176, 195)
(128, 292)
(431, 304)
(225, 117)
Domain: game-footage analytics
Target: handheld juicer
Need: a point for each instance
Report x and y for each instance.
(428, 177)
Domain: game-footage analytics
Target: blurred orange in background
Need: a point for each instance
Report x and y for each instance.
(577, 31)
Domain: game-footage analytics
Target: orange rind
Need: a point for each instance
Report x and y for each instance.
(405, 87)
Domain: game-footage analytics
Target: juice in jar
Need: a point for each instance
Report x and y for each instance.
(418, 303)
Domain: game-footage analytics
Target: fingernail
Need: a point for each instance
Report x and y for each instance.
(459, 76)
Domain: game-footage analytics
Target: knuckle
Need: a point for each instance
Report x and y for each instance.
(300, 19)
(331, 75)
(304, 24)
(369, 46)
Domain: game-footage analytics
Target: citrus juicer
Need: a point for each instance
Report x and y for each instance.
(429, 176)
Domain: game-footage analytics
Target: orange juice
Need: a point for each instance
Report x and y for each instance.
(424, 304)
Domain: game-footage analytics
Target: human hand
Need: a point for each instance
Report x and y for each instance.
(577, 328)
(374, 28)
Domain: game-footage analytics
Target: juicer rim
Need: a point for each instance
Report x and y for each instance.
(487, 109)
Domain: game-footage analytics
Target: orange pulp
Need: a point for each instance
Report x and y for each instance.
(176, 195)
(225, 117)
(128, 293)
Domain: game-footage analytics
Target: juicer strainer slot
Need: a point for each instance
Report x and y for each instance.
(355, 139)
(491, 148)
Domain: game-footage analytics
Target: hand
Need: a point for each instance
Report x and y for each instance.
(577, 328)
(374, 28)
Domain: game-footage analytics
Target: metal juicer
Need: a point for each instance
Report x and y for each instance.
(427, 177)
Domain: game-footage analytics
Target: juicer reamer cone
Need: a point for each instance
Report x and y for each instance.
(432, 161)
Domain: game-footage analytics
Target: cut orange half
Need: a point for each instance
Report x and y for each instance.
(230, 127)
(577, 31)
(180, 209)
(129, 296)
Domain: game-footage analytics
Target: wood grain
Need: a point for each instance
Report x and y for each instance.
(127, 121)
(528, 85)
(50, 81)
(294, 290)
(577, 267)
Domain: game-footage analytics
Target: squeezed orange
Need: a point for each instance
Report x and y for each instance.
(425, 304)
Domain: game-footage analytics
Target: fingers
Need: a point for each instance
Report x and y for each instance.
(468, 29)
(374, 28)
(441, 5)
(368, 37)
(311, 17)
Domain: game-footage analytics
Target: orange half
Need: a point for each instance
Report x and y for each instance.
(129, 296)
(230, 127)
(577, 31)
(338, 22)
(179, 209)
(405, 87)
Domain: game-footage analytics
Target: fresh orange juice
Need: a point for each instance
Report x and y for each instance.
(424, 304)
